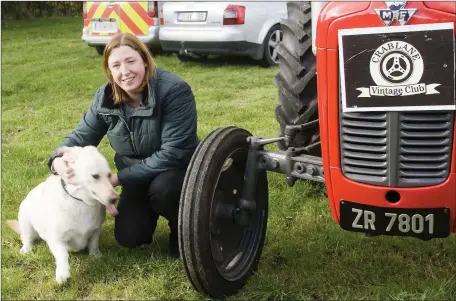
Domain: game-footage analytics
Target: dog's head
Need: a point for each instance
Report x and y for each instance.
(92, 173)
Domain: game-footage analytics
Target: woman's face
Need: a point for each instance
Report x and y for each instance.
(127, 68)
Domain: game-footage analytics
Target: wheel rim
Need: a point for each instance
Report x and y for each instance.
(233, 246)
(274, 40)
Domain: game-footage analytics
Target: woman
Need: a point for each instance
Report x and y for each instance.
(149, 117)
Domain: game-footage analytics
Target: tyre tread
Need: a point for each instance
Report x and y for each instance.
(296, 77)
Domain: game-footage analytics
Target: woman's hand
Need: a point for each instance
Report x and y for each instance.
(61, 166)
(114, 180)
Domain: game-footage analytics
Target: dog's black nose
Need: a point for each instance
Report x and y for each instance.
(113, 201)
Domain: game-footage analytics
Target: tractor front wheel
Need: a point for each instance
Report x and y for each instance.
(219, 252)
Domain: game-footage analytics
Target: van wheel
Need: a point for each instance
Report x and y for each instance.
(220, 253)
(100, 49)
(297, 79)
(270, 43)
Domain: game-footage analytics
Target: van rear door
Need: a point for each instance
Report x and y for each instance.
(102, 18)
(138, 16)
(107, 18)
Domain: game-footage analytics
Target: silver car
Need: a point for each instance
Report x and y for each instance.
(199, 29)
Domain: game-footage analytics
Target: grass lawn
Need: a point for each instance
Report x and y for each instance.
(49, 78)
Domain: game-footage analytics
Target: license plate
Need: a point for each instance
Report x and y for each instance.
(421, 223)
(104, 26)
(191, 16)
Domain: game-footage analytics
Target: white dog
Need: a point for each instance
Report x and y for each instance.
(67, 216)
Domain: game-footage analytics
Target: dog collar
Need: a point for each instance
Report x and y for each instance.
(64, 188)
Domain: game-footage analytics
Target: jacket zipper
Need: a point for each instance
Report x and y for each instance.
(132, 137)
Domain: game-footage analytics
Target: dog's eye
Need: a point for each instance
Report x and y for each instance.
(96, 177)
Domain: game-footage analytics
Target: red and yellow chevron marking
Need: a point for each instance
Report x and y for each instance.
(130, 16)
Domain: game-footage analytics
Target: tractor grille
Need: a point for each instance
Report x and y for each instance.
(400, 149)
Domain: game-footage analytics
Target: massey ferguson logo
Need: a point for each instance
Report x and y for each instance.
(395, 11)
(397, 67)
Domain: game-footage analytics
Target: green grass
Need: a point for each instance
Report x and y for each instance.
(48, 80)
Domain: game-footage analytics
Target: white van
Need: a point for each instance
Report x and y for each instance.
(103, 19)
(199, 29)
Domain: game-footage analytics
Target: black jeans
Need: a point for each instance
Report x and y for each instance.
(140, 207)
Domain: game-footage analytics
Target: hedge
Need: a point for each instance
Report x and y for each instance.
(36, 9)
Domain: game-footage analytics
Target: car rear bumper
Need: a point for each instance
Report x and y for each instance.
(152, 38)
(209, 34)
(208, 48)
(229, 40)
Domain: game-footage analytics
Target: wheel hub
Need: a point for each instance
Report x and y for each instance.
(233, 230)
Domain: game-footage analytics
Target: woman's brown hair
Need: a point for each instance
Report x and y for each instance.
(128, 39)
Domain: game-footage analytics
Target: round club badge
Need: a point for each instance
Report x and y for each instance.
(396, 63)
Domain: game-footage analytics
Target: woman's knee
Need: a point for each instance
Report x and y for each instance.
(135, 224)
(132, 242)
(132, 238)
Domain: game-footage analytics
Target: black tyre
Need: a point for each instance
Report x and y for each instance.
(100, 49)
(297, 79)
(219, 255)
(270, 43)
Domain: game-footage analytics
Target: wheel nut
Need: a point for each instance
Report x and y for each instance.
(275, 164)
(264, 161)
(299, 167)
(311, 170)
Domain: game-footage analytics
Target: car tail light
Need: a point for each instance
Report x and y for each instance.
(162, 21)
(84, 10)
(234, 15)
(152, 9)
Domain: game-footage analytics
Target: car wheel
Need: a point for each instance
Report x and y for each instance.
(271, 41)
(296, 80)
(100, 49)
(219, 252)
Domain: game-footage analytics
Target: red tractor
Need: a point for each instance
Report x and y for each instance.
(380, 133)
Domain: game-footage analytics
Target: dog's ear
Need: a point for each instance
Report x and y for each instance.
(72, 151)
(90, 148)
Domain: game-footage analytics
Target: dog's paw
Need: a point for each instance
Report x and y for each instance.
(26, 249)
(62, 275)
(95, 253)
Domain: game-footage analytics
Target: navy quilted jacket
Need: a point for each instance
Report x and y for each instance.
(161, 135)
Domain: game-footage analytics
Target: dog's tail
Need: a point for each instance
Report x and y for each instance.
(14, 224)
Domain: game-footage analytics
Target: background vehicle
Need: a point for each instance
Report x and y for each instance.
(388, 158)
(104, 19)
(199, 29)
